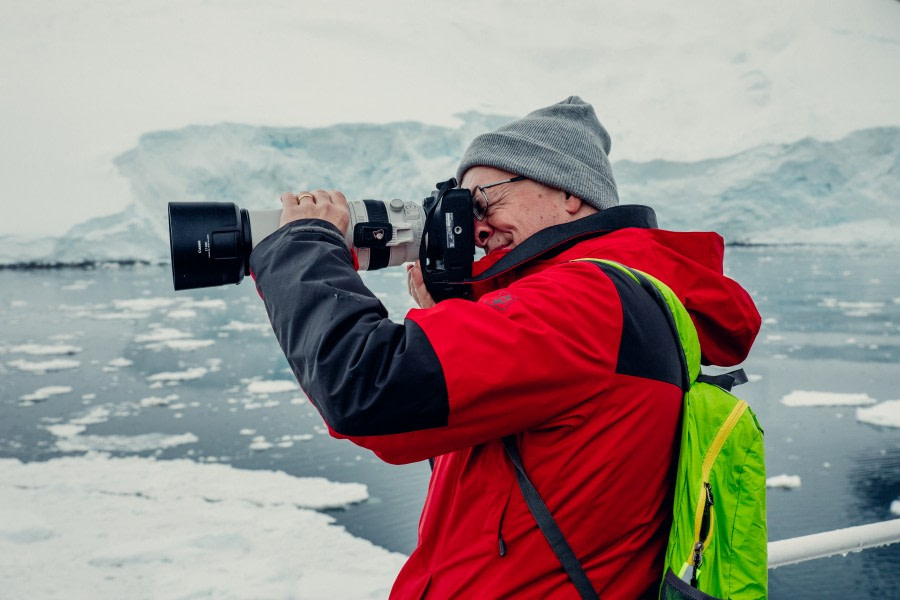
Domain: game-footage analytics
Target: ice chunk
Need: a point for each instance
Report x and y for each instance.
(783, 481)
(41, 367)
(809, 398)
(885, 414)
(46, 392)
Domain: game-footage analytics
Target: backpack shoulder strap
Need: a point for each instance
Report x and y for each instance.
(548, 525)
(726, 381)
(676, 314)
(686, 340)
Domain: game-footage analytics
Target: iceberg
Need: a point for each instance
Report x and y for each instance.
(806, 192)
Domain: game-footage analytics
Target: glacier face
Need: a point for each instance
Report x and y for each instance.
(809, 192)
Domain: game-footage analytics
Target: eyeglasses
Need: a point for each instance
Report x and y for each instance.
(480, 205)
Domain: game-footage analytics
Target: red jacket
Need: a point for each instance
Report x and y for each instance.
(551, 352)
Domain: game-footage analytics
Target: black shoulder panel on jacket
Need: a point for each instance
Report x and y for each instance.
(648, 345)
(364, 373)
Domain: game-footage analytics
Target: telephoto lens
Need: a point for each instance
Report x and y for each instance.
(210, 242)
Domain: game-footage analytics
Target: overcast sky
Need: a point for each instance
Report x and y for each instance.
(81, 80)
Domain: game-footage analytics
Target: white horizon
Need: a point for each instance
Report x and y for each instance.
(84, 80)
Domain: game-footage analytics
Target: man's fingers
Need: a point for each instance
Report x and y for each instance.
(337, 197)
(330, 205)
(416, 285)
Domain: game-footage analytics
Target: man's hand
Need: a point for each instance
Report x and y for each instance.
(416, 284)
(328, 205)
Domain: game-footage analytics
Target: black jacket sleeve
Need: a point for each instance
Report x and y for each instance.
(364, 373)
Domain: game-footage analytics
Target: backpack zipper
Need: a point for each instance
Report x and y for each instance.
(703, 516)
(705, 531)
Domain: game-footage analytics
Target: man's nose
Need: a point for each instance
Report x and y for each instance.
(482, 233)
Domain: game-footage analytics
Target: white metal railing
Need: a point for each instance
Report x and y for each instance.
(830, 543)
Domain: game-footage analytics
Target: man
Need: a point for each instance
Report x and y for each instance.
(556, 352)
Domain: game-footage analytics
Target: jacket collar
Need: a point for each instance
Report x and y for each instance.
(555, 239)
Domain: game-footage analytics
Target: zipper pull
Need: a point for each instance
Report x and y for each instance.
(698, 561)
(501, 543)
(704, 532)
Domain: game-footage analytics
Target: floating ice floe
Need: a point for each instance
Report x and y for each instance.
(272, 387)
(210, 304)
(175, 339)
(298, 437)
(115, 316)
(41, 367)
(258, 405)
(43, 349)
(143, 305)
(81, 284)
(176, 376)
(783, 481)
(161, 334)
(809, 398)
(120, 363)
(259, 443)
(853, 309)
(240, 326)
(106, 527)
(65, 429)
(187, 345)
(895, 507)
(157, 401)
(41, 394)
(97, 414)
(884, 414)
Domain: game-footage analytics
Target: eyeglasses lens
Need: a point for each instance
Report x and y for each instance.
(479, 203)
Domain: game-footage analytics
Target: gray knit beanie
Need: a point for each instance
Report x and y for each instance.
(563, 146)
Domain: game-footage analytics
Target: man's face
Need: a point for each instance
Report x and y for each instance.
(519, 209)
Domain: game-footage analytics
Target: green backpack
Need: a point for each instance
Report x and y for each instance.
(718, 543)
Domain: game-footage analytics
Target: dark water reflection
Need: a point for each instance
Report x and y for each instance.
(832, 323)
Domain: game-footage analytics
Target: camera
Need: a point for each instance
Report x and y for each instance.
(210, 242)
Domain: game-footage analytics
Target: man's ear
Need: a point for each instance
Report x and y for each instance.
(572, 204)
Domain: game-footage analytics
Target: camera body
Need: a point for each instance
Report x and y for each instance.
(210, 242)
(447, 252)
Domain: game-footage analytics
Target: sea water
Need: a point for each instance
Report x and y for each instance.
(111, 362)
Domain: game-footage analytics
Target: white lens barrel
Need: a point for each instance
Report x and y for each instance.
(407, 220)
